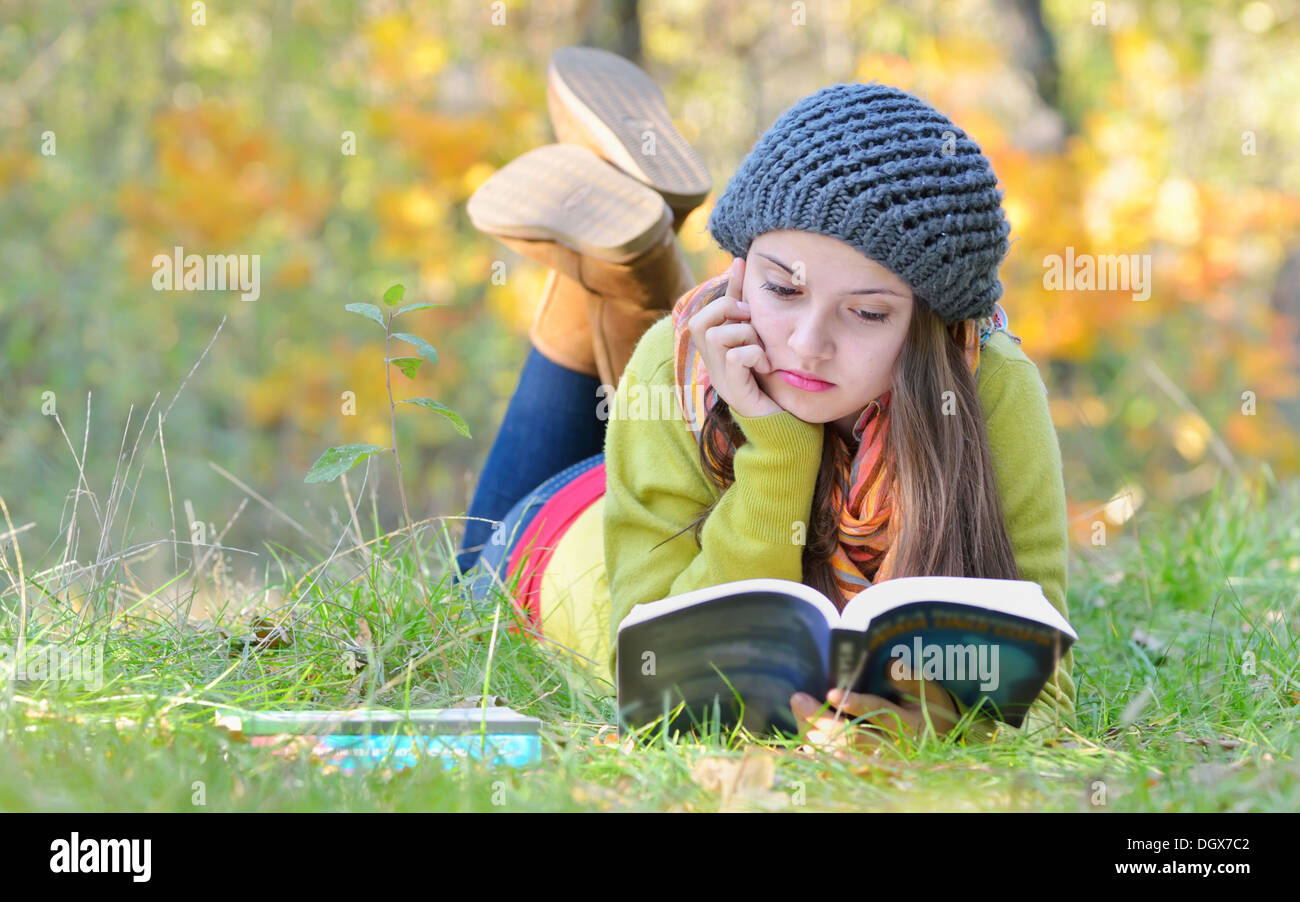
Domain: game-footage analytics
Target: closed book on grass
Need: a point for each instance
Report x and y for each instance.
(381, 737)
(734, 653)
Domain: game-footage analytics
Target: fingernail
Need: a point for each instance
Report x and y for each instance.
(743, 305)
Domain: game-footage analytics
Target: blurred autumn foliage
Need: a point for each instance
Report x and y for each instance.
(339, 142)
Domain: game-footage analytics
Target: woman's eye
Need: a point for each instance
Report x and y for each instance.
(779, 290)
(864, 315)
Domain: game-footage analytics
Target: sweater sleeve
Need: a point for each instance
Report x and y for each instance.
(655, 486)
(1027, 463)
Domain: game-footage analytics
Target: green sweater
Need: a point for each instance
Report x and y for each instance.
(655, 486)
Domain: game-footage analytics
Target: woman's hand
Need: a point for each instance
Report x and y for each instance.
(884, 719)
(731, 349)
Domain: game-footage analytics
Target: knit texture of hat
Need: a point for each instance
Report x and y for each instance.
(887, 174)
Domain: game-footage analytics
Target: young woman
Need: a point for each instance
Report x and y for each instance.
(849, 406)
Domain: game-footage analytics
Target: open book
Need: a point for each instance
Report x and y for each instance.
(990, 642)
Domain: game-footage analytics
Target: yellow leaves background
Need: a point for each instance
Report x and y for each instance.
(227, 138)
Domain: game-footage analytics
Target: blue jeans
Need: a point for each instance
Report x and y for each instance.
(550, 425)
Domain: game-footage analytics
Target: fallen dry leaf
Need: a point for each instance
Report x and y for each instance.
(1222, 742)
(604, 739)
(356, 654)
(743, 783)
(266, 634)
(364, 639)
(271, 634)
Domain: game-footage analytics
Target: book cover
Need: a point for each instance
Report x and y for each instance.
(364, 738)
(734, 653)
(494, 719)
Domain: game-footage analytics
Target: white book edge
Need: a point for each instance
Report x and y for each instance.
(1016, 597)
(651, 609)
(379, 717)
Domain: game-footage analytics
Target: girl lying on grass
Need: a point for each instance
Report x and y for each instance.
(849, 379)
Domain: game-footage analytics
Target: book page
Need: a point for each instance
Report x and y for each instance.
(1017, 597)
(650, 610)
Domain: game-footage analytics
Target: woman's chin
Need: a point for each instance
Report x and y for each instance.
(807, 406)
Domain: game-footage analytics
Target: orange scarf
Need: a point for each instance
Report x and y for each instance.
(867, 547)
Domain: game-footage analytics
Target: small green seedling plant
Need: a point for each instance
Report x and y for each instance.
(338, 460)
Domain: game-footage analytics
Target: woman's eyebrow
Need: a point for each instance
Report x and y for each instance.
(858, 291)
(879, 291)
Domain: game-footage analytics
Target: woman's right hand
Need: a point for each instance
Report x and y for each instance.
(731, 349)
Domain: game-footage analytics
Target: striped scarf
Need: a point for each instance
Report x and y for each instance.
(867, 546)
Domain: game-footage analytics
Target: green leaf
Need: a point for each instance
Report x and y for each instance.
(367, 310)
(337, 461)
(426, 350)
(394, 295)
(436, 407)
(419, 306)
(407, 365)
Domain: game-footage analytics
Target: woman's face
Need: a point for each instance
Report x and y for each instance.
(822, 307)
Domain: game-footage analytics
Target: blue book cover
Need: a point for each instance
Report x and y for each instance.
(366, 738)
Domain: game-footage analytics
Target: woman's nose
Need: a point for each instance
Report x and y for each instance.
(811, 338)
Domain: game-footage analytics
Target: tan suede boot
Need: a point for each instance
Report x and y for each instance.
(589, 216)
(621, 301)
(599, 229)
(561, 330)
(603, 102)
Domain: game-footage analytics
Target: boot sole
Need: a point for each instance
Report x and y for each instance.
(567, 194)
(606, 103)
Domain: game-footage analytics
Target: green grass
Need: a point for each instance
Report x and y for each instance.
(1171, 618)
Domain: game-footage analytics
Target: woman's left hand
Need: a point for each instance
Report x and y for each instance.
(836, 733)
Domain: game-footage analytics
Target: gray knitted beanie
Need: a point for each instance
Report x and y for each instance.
(887, 174)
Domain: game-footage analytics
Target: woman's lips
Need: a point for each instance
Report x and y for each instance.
(804, 382)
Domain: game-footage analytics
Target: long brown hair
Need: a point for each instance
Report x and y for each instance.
(940, 471)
